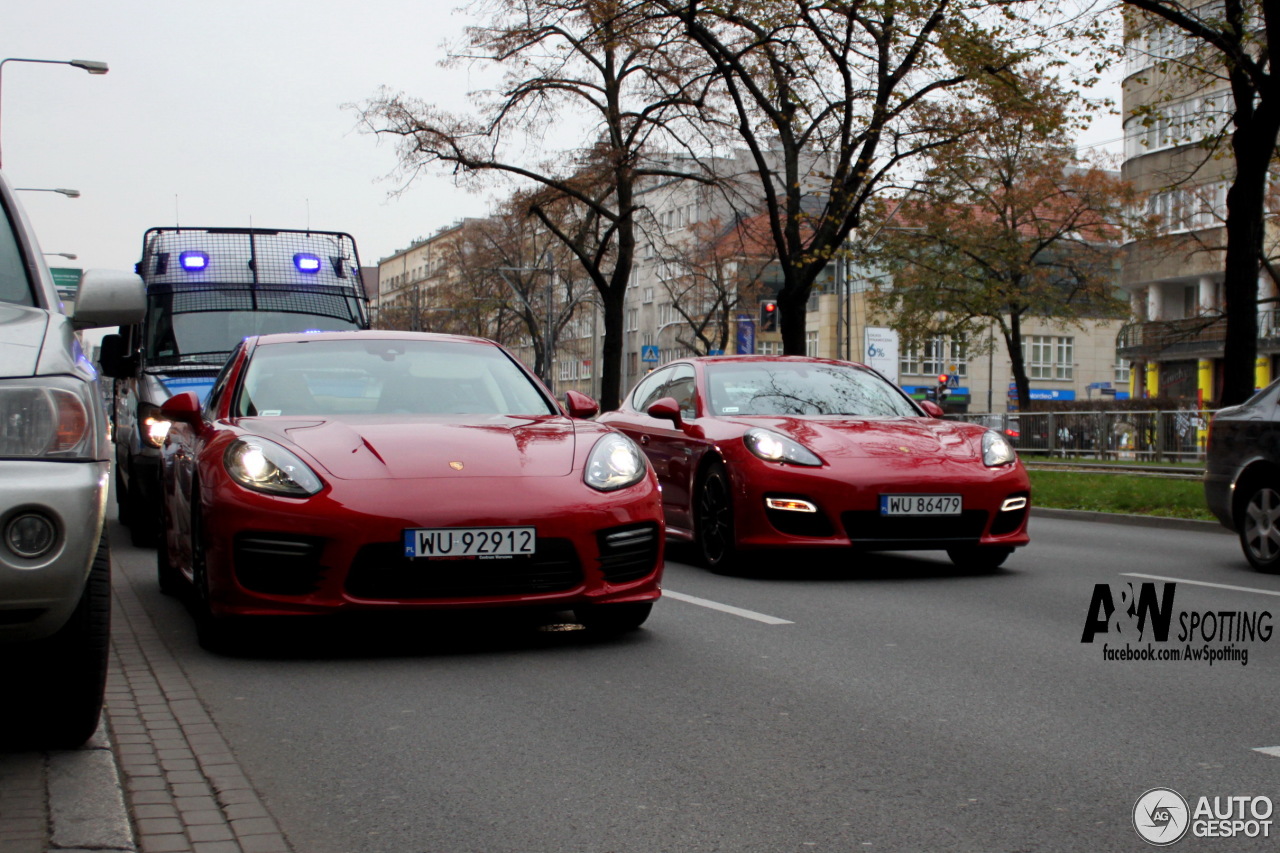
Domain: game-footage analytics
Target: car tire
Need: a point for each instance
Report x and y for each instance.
(55, 694)
(143, 529)
(979, 558)
(612, 619)
(1259, 526)
(215, 633)
(713, 530)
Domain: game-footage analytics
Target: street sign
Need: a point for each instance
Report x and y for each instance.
(66, 280)
(649, 353)
(715, 352)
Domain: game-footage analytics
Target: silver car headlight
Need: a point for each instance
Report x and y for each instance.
(45, 419)
(775, 447)
(155, 426)
(265, 466)
(615, 463)
(996, 449)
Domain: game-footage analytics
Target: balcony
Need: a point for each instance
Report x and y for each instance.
(1191, 337)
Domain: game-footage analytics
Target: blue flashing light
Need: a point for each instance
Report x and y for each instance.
(194, 261)
(306, 263)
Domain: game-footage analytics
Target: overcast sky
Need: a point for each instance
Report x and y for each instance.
(224, 114)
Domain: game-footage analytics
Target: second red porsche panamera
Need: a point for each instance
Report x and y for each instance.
(759, 452)
(387, 470)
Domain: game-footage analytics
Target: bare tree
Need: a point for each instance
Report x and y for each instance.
(827, 96)
(1227, 43)
(607, 60)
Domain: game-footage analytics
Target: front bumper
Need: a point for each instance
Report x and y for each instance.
(343, 549)
(37, 596)
(848, 506)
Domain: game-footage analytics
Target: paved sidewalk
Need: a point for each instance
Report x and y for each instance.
(157, 778)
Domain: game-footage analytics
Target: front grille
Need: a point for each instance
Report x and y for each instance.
(278, 563)
(381, 570)
(628, 553)
(870, 529)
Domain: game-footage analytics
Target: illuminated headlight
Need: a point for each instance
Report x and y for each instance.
(154, 425)
(615, 463)
(39, 420)
(996, 450)
(265, 466)
(773, 447)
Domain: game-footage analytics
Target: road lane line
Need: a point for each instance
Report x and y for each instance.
(1273, 751)
(1202, 583)
(726, 608)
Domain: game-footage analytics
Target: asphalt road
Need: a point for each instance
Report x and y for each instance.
(870, 703)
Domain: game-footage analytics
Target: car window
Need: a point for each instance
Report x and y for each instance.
(650, 389)
(14, 284)
(220, 384)
(680, 387)
(802, 388)
(386, 376)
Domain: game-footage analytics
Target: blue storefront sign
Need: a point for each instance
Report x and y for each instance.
(745, 344)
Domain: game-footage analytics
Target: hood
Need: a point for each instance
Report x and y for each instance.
(22, 331)
(495, 446)
(836, 437)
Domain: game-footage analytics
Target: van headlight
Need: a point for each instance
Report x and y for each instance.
(615, 463)
(265, 466)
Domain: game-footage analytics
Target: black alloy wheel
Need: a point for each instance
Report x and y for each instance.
(713, 520)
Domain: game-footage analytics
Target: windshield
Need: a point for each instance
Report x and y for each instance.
(204, 326)
(386, 376)
(14, 286)
(802, 388)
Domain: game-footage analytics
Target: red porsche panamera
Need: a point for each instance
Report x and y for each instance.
(387, 470)
(759, 452)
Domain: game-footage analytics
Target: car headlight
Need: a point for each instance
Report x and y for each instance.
(265, 466)
(155, 426)
(615, 463)
(45, 419)
(774, 447)
(996, 449)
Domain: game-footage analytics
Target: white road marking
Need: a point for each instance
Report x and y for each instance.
(1273, 751)
(726, 608)
(1202, 583)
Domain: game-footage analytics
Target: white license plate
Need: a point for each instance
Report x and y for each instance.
(470, 542)
(920, 504)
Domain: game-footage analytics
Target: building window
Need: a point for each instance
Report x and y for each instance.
(934, 356)
(648, 295)
(1122, 371)
(1049, 357)
(811, 344)
(586, 369)
(633, 319)
(768, 347)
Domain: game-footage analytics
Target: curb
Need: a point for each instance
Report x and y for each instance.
(1155, 521)
(86, 799)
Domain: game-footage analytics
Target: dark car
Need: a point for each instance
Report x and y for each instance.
(1242, 475)
(801, 453)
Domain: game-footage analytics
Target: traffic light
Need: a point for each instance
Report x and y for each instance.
(942, 386)
(769, 315)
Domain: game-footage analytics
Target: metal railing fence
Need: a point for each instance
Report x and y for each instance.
(1156, 436)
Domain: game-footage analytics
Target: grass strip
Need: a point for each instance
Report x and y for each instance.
(1120, 493)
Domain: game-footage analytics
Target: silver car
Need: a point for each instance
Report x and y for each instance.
(55, 566)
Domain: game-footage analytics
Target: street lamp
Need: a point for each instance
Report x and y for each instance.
(71, 256)
(68, 193)
(90, 65)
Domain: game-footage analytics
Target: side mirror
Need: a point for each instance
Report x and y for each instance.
(580, 406)
(115, 360)
(666, 409)
(183, 408)
(932, 409)
(108, 298)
